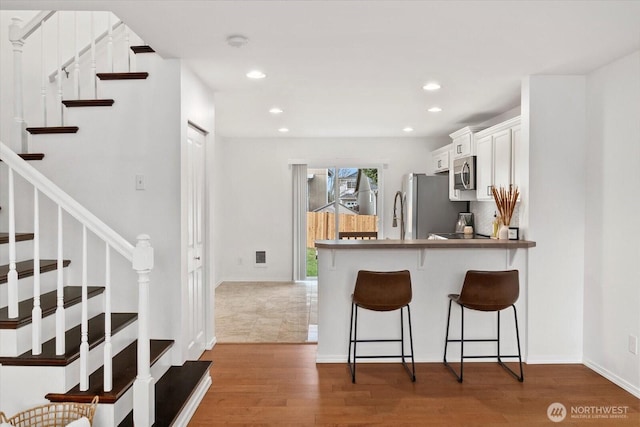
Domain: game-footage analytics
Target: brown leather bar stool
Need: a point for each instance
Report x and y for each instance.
(486, 291)
(381, 291)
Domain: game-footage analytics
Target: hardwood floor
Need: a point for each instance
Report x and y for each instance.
(280, 384)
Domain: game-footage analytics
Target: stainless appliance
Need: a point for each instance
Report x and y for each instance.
(427, 205)
(464, 170)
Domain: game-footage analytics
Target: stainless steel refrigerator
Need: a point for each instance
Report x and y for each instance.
(427, 205)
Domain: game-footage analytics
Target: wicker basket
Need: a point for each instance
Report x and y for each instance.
(53, 414)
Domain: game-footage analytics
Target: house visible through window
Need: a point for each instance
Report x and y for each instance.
(355, 204)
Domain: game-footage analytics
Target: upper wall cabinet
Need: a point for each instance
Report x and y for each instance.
(462, 144)
(496, 157)
(440, 158)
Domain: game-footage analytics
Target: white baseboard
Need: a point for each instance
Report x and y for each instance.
(553, 360)
(620, 382)
(218, 283)
(211, 343)
(194, 401)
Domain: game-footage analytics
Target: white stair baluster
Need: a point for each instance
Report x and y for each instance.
(36, 312)
(108, 370)
(12, 275)
(143, 387)
(109, 43)
(84, 325)
(76, 62)
(60, 318)
(59, 62)
(93, 57)
(127, 46)
(43, 91)
(19, 142)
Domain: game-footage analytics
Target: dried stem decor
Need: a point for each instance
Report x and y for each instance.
(506, 201)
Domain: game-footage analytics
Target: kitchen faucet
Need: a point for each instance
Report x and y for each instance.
(395, 217)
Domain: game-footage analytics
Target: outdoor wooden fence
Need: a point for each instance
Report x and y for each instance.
(322, 225)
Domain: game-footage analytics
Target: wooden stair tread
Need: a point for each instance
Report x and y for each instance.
(72, 343)
(48, 304)
(20, 237)
(142, 49)
(123, 76)
(173, 391)
(88, 103)
(30, 156)
(25, 268)
(52, 129)
(124, 373)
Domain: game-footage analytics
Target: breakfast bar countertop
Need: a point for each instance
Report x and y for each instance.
(425, 244)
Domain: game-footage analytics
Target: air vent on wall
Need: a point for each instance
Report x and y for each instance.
(261, 258)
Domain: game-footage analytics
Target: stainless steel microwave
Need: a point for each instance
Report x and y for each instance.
(464, 170)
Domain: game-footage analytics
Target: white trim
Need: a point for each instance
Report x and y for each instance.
(620, 382)
(194, 400)
(551, 360)
(212, 343)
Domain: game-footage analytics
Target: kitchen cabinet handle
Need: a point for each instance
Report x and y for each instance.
(196, 258)
(439, 164)
(489, 192)
(459, 149)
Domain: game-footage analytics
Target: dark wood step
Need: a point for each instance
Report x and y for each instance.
(173, 391)
(88, 103)
(25, 268)
(48, 301)
(52, 129)
(31, 156)
(72, 343)
(142, 49)
(122, 76)
(20, 237)
(124, 373)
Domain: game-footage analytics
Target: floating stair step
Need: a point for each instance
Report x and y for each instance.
(124, 373)
(142, 49)
(173, 391)
(25, 268)
(20, 237)
(48, 301)
(52, 129)
(122, 76)
(72, 343)
(88, 103)
(31, 156)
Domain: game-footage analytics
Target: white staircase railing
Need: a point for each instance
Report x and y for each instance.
(141, 257)
(51, 83)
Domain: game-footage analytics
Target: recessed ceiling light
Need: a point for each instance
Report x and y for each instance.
(431, 86)
(276, 110)
(283, 130)
(256, 74)
(434, 109)
(408, 129)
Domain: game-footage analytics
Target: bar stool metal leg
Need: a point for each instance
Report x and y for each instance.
(447, 341)
(516, 376)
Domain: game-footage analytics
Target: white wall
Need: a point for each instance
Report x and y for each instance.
(256, 197)
(612, 277)
(554, 129)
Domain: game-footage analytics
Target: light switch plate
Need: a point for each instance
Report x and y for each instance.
(139, 181)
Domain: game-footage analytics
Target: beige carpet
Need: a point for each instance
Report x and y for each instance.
(266, 312)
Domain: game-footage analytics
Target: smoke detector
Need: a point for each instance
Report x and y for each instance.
(237, 40)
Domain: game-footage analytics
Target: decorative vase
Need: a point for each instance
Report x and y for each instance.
(503, 233)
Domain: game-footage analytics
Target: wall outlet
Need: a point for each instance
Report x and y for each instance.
(139, 181)
(633, 344)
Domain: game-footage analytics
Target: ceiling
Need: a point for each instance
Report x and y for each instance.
(356, 68)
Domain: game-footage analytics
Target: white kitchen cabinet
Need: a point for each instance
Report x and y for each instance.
(495, 162)
(440, 158)
(462, 144)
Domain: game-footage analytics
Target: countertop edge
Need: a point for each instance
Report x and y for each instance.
(425, 244)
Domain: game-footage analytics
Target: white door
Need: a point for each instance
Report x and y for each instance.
(196, 313)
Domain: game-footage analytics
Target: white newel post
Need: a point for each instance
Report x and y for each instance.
(18, 142)
(143, 387)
